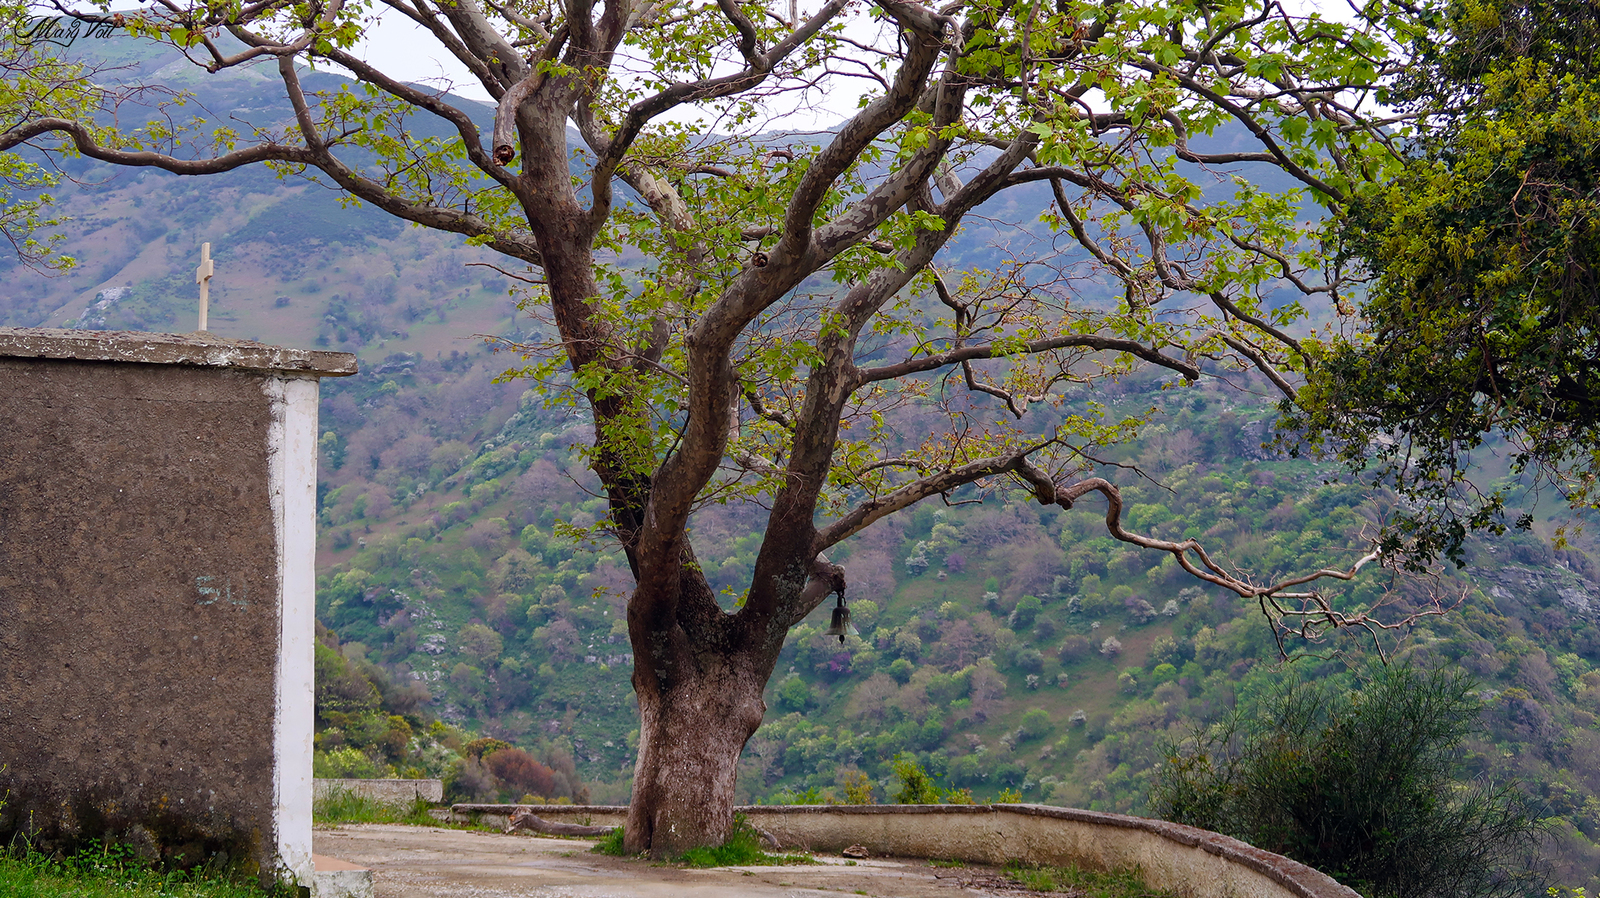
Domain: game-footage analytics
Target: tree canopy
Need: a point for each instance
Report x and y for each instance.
(736, 304)
(34, 81)
(1482, 320)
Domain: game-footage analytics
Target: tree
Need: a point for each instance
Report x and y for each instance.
(1361, 785)
(791, 288)
(34, 81)
(1483, 316)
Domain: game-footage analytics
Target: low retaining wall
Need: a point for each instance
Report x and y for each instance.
(1172, 857)
(388, 791)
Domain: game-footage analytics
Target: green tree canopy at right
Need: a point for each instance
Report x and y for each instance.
(1482, 318)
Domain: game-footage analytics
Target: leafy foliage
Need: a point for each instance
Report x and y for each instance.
(1482, 319)
(1361, 786)
(113, 871)
(916, 787)
(37, 81)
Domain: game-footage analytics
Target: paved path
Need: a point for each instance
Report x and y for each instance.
(424, 862)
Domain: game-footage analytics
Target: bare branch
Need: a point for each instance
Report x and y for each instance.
(1261, 363)
(988, 351)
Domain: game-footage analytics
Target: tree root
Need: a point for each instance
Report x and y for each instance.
(524, 818)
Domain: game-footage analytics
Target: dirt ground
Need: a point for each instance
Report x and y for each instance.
(425, 862)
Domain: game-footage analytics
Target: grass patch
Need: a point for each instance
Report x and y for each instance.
(610, 843)
(345, 806)
(1084, 883)
(113, 872)
(743, 849)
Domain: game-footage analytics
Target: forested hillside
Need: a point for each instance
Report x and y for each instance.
(474, 615)
(1013, 651)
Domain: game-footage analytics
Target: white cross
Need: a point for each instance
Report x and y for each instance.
(202, 276)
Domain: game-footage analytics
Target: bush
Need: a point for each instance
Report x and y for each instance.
(1023, 615)
(517, 770)
(345, 763)
(1361, 786)
(1035, 723)
(857, 788)
(1074, 649)
(916, 786)
(795, 695)
(1139, 609)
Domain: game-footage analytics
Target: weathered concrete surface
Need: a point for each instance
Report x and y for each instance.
(1172, 857)
(335, 878)
(197, 349)
(422, 862)
(388, 791)
(154, 505)
(125, 697)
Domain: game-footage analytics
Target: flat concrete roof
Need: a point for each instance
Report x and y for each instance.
(198, 349)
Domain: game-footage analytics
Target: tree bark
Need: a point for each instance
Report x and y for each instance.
(691, 731)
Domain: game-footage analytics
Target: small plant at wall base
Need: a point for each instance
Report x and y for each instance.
(742, 849)
(1081, 883)
(114, 871)
(1362, 786)
(610, 843)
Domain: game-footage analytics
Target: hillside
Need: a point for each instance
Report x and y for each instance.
(1014, 651)
(984, 647)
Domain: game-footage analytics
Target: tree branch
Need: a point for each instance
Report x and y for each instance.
(962, 354)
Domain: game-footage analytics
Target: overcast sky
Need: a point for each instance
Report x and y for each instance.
(405, 50)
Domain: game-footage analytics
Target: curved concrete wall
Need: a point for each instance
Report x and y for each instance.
(1180, 859)
(388, 791)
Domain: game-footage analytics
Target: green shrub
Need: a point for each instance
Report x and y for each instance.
(812, 795)
(1361, 785)
(345, 763)
(742, 849)
(858, 788)
(1035, 723)
(1027, 610)
(916, 786)
(610, 843)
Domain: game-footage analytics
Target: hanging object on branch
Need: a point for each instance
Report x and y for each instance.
(841, 626)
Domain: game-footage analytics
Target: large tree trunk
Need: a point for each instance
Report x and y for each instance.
(690, 737)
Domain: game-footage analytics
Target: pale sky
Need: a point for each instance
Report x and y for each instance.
(405, 50)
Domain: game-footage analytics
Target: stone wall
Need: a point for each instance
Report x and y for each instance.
(1171, 857)
(157, 551)
(388, 791)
